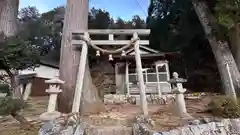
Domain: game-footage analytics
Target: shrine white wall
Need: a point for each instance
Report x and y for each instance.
(43, 72)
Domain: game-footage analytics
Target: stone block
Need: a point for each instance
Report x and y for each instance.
(138, 101)
(156, 133)
(136, 130)
(194, 122)
(223, 127)
(195, 130)
(235, 125)
(108, 130)
(50, 116)
(165, 133)
(175, 132)
(186, 131)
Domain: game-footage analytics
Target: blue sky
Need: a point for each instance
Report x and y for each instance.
(117, 8)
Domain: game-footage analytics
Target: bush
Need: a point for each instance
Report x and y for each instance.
(225, 107)
(10, 105)
(5, 88)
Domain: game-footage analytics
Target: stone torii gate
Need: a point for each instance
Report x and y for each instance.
(82, 39)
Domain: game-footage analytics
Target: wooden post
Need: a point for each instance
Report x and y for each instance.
(27, 91)
(231, 92)
(144, 106)
(80, 76)
(158, 82)
(127, 79)
(116, 77)
(110, 37)
(168, 72)
(21, 87)
(146, 77)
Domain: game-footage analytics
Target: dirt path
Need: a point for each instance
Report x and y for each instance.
(9, 126)
(165, 119)
(116, 115)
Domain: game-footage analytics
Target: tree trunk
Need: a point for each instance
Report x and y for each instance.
(8, 17)
(220, 49)
(14, 84)
(234, 35)
(21, 120)
(76, 18)
(8, 25)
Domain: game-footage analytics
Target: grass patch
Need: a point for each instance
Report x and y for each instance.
(16, 130)
(226, 107)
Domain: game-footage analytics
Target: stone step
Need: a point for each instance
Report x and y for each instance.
(108, 130)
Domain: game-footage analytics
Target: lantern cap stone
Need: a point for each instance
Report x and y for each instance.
(175, 75)
(177, 80)
(54, 81)
(50, 116)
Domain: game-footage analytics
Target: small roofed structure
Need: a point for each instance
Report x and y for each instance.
(25, 77)
(155, 71)
(47, 69)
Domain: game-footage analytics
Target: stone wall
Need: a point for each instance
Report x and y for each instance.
(142, 126)
(108, 130)
(152, 99)
(55, 128)
(135, 99)
(220, 127)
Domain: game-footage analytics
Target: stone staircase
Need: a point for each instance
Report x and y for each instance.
(151, 88)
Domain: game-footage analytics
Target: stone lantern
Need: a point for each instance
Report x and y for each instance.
(53, 90)
(179, 91)
(49, 118)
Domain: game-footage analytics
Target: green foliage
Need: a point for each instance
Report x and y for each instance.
(15, 53)
(4, 88)
(10, 105)
(179, 29)
(172, 24)
(28, 13)
(224, 107)
(45, 30)
(41, 30)
(227, 12)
